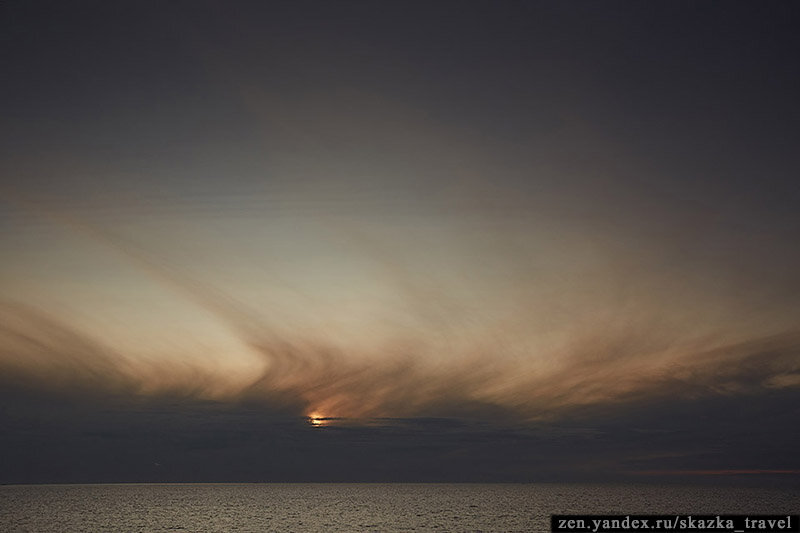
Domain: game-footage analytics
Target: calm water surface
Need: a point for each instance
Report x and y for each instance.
(355, 507)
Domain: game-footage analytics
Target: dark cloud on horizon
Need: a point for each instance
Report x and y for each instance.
(50, 439)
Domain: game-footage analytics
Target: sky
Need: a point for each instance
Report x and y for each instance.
(399, 241)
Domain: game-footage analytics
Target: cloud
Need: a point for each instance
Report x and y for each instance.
(436, 355)
(404, 379)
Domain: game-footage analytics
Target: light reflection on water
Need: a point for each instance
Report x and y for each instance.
(356, 507)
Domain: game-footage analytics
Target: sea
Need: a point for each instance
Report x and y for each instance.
(328, 507)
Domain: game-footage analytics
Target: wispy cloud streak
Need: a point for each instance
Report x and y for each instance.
(449, 364)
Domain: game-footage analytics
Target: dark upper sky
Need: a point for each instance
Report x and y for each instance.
(489, 240)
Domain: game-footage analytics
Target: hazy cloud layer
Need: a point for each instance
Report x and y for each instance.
(405, 379)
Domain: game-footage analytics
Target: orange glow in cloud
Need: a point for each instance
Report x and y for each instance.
(315, 418)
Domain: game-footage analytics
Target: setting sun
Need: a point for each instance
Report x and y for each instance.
(316, 418)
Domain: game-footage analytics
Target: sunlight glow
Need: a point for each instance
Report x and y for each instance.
(315, 418)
